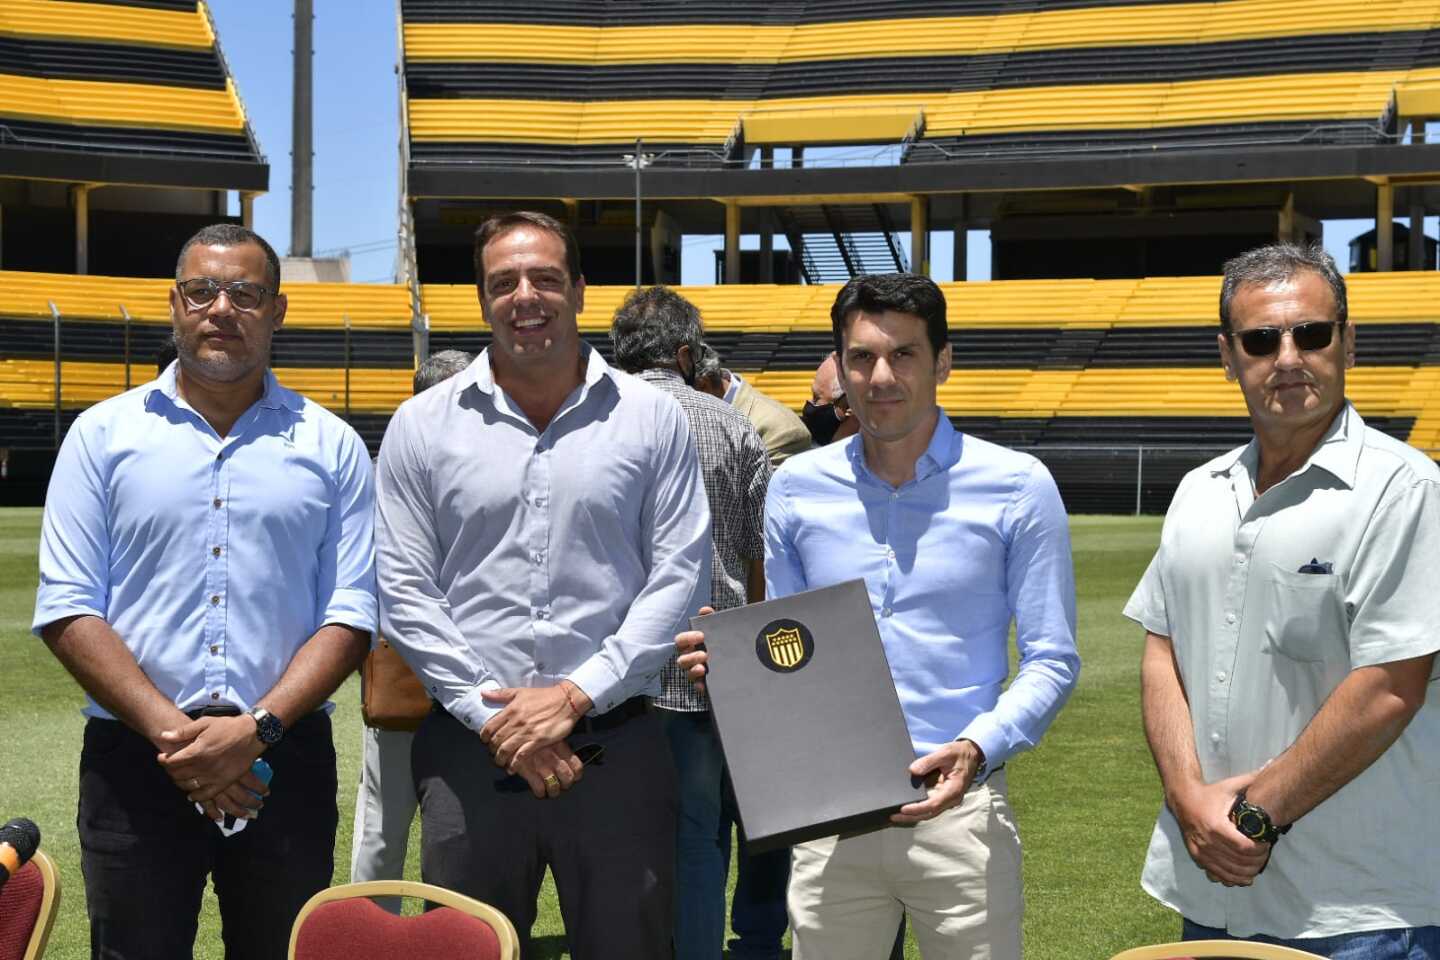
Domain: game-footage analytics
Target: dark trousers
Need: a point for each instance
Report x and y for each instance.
(146, 851)
(609, 841)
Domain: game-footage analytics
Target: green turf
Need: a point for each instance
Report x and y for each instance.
(1085, 800)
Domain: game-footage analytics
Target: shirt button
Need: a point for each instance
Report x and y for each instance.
(1240, 560)
(214, 551)
(895, 495)
(218, 502)
(540, 502)
(1229, 618)
(889, 554)
(214, 648)
(886, 611)
(215, 600)
(1214, 738)
(539, 666)
(215, 695)
(539, 556)
(1220, 676)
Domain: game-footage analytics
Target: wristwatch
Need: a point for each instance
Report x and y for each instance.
(1254, 822)
(267, 726)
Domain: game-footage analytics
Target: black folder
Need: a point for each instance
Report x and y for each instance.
(808, 717)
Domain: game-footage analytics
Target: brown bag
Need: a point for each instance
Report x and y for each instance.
(391, 696)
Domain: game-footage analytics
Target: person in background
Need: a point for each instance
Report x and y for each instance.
(656, 334)
(385, 802)
(207, 576)
(827, 413)
(1290, 642)
(784, 433)
(541, 528)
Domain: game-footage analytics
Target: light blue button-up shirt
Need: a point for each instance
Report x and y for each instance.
(214, 559)
(979, 537)
(511, 557)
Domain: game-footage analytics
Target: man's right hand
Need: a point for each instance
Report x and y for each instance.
(1215, 844)
(693, 659)
(555, 763)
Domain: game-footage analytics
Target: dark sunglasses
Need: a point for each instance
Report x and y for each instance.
(1264, 341)
(202, 291)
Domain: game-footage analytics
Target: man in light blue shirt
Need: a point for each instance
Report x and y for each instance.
(542, 529)
(207, 575)
(955, 538)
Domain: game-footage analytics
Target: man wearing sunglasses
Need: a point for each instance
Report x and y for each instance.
(1290, 616)
(206, 575)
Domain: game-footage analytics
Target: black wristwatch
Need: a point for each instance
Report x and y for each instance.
(1254, 822)
(267, 726)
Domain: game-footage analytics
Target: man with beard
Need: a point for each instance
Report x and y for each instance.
(206, 575)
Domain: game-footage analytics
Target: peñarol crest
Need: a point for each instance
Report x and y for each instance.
(784, 645)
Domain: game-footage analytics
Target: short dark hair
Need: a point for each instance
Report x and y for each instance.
(232, 235)
(651, 325)
(439, 367)
(1276, 263)
(505, 222)
(909, 293)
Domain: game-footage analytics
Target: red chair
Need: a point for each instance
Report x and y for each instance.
(28, 906)
(1232, 949)
(342, 923)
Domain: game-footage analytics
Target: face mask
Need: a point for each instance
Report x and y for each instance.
(822, 420)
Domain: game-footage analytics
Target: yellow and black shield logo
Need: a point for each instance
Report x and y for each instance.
(784, 645)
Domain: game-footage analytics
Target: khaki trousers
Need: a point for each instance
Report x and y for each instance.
(957, 876)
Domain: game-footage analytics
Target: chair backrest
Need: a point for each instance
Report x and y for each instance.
(343, 923)
(1214, 949)
(28, 906)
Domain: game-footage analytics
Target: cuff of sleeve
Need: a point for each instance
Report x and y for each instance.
(52, 608)
(600, 684)
(353, 608)
(986, 733)
(472, 710)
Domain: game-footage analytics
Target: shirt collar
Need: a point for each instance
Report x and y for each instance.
(731, 391)
(941, 453)
(274, 396)
(1337, 453)
(480, 374)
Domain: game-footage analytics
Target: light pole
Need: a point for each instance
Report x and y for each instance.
(639, 160)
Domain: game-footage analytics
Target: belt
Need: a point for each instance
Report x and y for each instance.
(213, 712)
(629, 710)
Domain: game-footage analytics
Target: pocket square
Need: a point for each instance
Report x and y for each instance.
(1315, 566)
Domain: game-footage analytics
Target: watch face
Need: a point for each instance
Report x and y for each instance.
(1251, 824)
(268, 728)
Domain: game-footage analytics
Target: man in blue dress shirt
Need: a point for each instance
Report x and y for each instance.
(542, 531)
(955, 538)
(207, 575)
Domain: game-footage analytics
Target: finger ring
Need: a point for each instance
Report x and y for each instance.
(552, 781)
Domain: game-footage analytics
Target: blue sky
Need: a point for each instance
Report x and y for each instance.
(357, 131)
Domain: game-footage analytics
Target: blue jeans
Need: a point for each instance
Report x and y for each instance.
(702, 855)
(1402, 943)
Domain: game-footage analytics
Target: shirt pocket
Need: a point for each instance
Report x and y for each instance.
(1304, 615)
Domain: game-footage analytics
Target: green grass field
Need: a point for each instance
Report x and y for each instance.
(1086, 799)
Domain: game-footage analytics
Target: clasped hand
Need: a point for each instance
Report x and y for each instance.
(533, 717)
(209, 760)
(1215, 844)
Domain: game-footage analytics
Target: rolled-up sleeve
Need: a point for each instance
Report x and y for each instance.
(347, 554)
(414, 611)
(1392, 593)
(75, 532)
(1041, 585)
(675, 531)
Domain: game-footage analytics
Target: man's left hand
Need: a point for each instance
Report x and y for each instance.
(533, 717)
(952, 768)
(210, 754)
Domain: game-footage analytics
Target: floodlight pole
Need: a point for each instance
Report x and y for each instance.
(302, 155)
(639, 144)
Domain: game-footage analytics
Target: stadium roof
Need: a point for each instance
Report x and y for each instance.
(121, 91)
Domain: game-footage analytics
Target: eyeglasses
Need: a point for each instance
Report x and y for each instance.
(202, 291)
(1265, 341)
